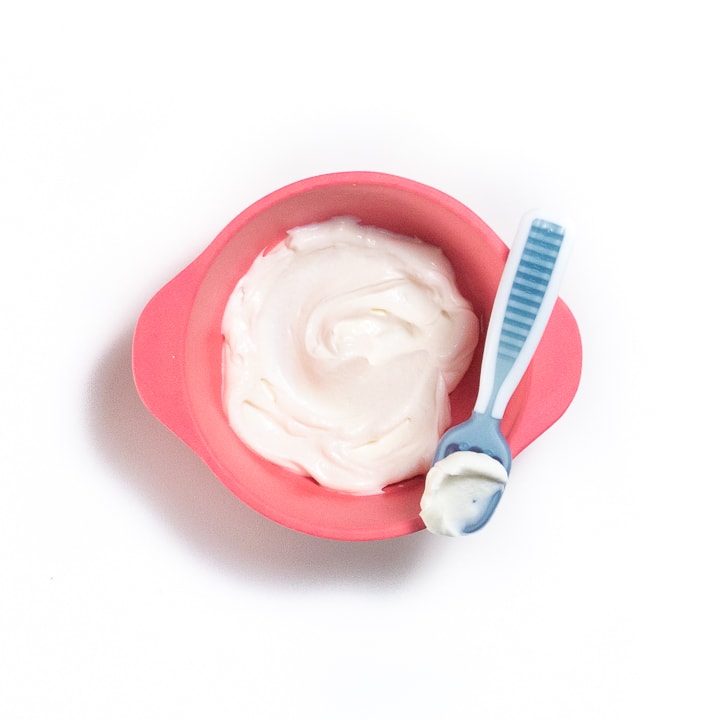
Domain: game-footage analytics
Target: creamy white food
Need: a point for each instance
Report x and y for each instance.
(461, 492)
(341, 346)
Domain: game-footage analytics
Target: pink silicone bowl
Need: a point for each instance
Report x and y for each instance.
(177, 347)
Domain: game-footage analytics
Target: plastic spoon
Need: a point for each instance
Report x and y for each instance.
(462, 489)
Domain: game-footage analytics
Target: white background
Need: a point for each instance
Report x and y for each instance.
(133, 585)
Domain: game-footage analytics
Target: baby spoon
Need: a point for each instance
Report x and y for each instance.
(462, 490)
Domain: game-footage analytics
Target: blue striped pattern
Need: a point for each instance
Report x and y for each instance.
(528, 289)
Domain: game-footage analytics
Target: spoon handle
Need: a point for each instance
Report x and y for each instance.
(525, 299)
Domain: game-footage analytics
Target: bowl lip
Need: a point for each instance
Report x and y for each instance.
(352, 177)
(171, 403)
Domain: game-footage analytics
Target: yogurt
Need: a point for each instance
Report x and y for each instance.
(341, 347)
(461, 493)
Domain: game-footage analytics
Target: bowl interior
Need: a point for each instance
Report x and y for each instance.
(395, 204)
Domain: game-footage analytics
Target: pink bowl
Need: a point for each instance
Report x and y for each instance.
(177, 347)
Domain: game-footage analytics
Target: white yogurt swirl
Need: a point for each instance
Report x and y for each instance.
(341, 347)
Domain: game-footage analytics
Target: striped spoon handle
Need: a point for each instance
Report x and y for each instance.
(525, 298)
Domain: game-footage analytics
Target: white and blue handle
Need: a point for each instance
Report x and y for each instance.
(525, 299)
